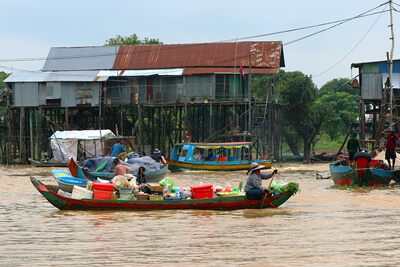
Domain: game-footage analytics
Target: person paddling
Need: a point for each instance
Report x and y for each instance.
(253, 188)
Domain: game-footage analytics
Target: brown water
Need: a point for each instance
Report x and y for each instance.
(318, 227)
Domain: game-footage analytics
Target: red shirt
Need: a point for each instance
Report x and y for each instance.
(391, 141)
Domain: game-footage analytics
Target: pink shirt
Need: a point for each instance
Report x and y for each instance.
(121, 169)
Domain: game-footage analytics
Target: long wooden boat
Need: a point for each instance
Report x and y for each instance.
(66, 181)
(47, 163)
(230, 157)
(219, 203)
(79, 172)
(365, 171)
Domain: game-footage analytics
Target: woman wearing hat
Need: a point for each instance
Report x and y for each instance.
(157, 156)
(253, 188)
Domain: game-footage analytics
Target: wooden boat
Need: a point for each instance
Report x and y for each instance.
(66, 181)
(218, 203)
(47, 163)
(230, 157)
(324, 157)
(365, 171)
(79, 172)
(290, 158)
(151, 176)
(80, 177)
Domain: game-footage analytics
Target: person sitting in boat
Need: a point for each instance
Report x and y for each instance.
(118, 148)
(141, 176)
(211, 155)
(390, 153)
(253, 188)
(157, 156)
(120, 169)
(200, 156)
(353, 146)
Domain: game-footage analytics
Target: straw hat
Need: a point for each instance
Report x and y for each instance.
(156, 151)
(255, 166)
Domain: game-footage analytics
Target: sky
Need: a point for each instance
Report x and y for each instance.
(31, 27)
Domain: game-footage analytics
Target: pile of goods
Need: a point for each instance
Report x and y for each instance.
(125, 188)
(105, 164)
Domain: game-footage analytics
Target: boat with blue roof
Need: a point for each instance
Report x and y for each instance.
(231, 156)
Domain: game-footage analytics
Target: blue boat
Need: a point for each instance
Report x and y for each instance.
(233, 156)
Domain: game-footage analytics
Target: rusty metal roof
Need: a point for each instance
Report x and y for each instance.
(265, 55)
(190, 71)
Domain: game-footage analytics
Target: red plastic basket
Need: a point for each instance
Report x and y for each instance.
(101, 194)
(202, 191)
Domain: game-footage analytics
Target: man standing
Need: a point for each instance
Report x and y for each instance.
(353, 146)
(391, 147)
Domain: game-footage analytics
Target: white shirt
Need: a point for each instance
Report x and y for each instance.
(200, 157)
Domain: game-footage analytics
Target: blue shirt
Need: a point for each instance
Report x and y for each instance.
(117, 148)
(140, 179)
(211, 157)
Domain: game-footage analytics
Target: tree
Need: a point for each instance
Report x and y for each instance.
(131, 40)
(341, 98)
(338, 85)
(302, 111)
(344, 109)
(3, 76)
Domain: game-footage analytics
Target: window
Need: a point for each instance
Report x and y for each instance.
(184, 153)
(222, 86)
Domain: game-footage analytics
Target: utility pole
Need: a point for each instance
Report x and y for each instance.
(249, 129)
(390, 65)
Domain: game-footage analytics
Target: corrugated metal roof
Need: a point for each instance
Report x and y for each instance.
(70, 76)
(264, 55)
(190, 71)
(81, 58)
(135, 73)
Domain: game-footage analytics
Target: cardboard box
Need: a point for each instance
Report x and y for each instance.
(142, 196)
(157, 197)
(156, 188)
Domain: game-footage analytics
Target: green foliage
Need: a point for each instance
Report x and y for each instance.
(338, 85)
(260, 86)
(325, 142)
(302, 112)
(344, 109)
(334, 106)
(131, 40)
(292, 188)
(3, 76)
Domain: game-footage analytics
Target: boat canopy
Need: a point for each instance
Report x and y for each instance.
(218, 145)
(65, 144)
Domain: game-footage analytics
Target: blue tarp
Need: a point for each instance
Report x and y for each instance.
(134, 163)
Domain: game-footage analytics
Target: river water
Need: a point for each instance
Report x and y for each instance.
(320, 226)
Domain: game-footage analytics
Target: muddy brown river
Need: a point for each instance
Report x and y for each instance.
(320, 226)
